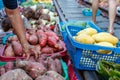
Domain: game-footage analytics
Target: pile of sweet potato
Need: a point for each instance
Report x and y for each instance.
(45, 41)
(43, 68)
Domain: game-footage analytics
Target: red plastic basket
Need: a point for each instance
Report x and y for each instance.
(6, 59)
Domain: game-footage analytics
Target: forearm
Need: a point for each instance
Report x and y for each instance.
(17, 24)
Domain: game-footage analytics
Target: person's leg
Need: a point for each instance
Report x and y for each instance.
(112, 14)
(95, 4)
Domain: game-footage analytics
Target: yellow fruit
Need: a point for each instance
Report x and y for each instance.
(107, 44)
(105, 37)
(84, 38)
(89, 31)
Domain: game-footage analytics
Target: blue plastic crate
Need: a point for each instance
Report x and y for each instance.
(84, 56)
(89, 13)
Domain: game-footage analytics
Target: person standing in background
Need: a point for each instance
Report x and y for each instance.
(13, 13)
(112, 12)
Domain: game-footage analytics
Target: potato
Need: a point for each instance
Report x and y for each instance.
(88, 31)
(84, 38)
(105, 37)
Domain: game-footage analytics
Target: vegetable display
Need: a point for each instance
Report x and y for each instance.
(38, 69)
(108, 70)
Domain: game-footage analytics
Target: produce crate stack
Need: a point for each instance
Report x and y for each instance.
(40, 22)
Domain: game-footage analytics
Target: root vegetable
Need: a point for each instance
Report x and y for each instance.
(16, 74)
(32, 59)
(42, 38)
(33, 39)
(52, 42)
(44, 77)
(51, 33)
(17, 48)
(9, 51)
(60, 47)
(34, 69)
(2, 70)
(28, 12)
(9, 66)
(51, 64)
(54, 75)
(47, 50)
(27, 36)
(58, 66)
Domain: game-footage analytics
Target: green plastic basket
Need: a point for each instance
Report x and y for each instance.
(65, 70)
(2, 63)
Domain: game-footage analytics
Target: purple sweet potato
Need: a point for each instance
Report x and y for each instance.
(9, 51)
(47, 50)
(17, 48)
(34, 69)
(9, 66)
(16, 74)
(58, 66)
(2, 70)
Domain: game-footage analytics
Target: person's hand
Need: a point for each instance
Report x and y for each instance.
(27, 48)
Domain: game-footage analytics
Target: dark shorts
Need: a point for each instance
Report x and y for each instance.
(10, 4)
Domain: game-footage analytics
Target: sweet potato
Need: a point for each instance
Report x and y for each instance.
(60, 46)
(51, 33)
(42, 38)
(17, 48)
(27, 36)
(2, 70)
(33, 39)
(52, 42)
(16, 74)
(44, 77)
(32, 59)
(47, 50)
(51, 64)
(9, 51)
(9, 66)
(42, 59)
(54, 75)
(58, 66)
(34, 69)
